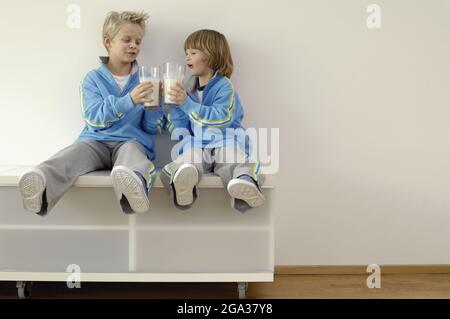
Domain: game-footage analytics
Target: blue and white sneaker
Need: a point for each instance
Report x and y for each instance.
(127, 183)
(32, 185)
(244, 188)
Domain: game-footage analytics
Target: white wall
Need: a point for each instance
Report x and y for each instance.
(363, 114)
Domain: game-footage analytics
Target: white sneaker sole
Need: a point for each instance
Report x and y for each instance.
(184, 181)
(126, 182)
(246, 191)
(31, 187)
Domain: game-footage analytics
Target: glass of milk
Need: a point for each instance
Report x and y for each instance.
(151, 74)
(173, 73)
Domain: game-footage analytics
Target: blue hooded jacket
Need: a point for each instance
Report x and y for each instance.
(109, 113)
(206, 124)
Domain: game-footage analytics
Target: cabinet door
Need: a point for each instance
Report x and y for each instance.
(54, 250)
(210, 251)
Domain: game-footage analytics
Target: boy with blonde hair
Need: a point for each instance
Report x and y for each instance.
(117, 127)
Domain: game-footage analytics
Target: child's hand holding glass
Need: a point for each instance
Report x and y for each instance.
(141, 93)
(151, 76)
(177, 93)
(173, 74)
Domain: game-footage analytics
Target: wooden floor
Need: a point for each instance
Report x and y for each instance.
(284, 286)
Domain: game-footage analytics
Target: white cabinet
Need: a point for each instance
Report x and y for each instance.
(210, 242)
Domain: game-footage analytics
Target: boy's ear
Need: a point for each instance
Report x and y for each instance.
(207, 60)
(106, 42)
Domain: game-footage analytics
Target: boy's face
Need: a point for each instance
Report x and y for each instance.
(126, 45)
(196, 61)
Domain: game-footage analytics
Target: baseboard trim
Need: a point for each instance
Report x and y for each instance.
(359, 269)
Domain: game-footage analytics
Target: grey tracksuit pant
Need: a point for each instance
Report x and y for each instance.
(227, 162)
(85, 156)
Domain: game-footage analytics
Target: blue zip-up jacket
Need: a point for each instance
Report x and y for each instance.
(110, 114)
(206, 123)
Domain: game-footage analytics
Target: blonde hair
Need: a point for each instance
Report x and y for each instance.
(215, 46)
(115, 20)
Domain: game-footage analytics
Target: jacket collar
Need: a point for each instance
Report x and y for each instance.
(104, 61)
(190, 83)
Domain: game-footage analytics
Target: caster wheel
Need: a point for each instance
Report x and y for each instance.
(242, 289)
(24, 289)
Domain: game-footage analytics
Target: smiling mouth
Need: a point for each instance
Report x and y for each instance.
(190, 66)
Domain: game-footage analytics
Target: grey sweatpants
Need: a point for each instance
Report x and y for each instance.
(82, 157)
(226, 162)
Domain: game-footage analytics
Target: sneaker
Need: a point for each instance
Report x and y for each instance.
(184, 182)
(248, 191)
(127, 183)
(31, 187)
